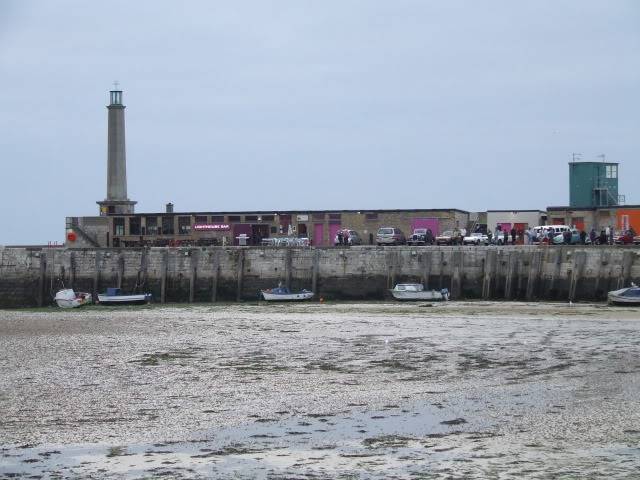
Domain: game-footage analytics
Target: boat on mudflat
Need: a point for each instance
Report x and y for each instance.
(283, 294)
(629, 296)
(416, 291)
(114, 296)
(67, 298)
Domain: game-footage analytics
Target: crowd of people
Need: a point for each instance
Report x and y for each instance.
(570, 236)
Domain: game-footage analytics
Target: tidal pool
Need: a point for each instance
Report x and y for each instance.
(344, 390)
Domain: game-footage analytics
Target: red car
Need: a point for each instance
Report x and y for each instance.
(623, 238)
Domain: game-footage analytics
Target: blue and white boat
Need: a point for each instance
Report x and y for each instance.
(114, 296)
(625, 296)
(283, 294)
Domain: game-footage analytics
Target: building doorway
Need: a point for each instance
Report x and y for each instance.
(258, 232)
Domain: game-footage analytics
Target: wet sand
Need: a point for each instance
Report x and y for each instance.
(345, 390)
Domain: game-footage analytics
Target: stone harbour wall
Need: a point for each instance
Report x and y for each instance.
(31, 276)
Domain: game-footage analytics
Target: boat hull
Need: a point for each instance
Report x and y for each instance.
(628, 302)
(629, 297)
(69, 299)
(430, 295)
(124, 299)
(286, 297)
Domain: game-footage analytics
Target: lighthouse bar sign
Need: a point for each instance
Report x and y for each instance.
(200, 227)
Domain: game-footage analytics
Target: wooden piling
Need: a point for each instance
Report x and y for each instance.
(120, 272)
(142, 273)
(193, 255)
(627, 264)
(96, 274)
(215, 274)
(42, 278)
(240, 274)
(456, 275)
(509, 275)
(72, 269)
(426, 269)
(315, 272)
(490, 259)
(163, 276)
(578, 264)
(288, 267)
(534, 275)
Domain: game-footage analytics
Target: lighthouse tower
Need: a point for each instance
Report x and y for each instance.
(116, 201)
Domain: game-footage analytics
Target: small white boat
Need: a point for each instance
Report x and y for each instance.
(67, 298)
(114, 296)
(625, 296)
(282, 294)
(416, 291)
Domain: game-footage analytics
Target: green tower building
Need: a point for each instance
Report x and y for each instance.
(593, 184)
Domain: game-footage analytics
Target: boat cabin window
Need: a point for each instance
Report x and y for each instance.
(634, 292)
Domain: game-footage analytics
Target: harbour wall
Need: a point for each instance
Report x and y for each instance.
(31, 276)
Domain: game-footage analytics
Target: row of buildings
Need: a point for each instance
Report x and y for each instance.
(594, 203)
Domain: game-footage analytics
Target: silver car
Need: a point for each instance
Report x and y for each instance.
(390, 236)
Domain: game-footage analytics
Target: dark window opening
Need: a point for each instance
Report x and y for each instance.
(217, 218)
(201, 219)
(152, 225)
(274, 229)
(118, 226)
(250, 218)
(184, 225)
(335, 216)
(234, 218)
(267, 218)
(318, 216)
(134, 225)
(167, 225)
(371, 216)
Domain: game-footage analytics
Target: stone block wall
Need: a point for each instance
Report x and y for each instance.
(31, 276)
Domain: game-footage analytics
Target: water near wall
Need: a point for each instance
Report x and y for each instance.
(31, 276)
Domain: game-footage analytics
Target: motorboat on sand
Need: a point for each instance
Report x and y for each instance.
(67, 298)
(114, 296)
(416, 291)
(280, 294)
(625, 296)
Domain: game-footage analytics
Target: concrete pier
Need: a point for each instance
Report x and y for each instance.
(31, 276)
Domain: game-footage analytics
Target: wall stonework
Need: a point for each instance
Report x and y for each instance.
(31, 276)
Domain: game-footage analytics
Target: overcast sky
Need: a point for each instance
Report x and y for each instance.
(274, 105)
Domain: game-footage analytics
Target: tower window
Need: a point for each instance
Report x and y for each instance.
(611, 171)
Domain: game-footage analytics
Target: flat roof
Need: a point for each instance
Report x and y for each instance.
(286, 212)
(610, 207)
(516, 211)
(594, 162)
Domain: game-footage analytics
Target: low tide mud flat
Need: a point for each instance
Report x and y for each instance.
(315, 391)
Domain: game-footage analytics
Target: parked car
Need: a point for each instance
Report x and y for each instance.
(390, 236)
(476, 239)
(623, 238)
(575, 238)
(353, 238)
(419, 237)
(445, 238)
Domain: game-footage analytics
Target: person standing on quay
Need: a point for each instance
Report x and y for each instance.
(593, 235)
(611, 235)
(513, 235)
